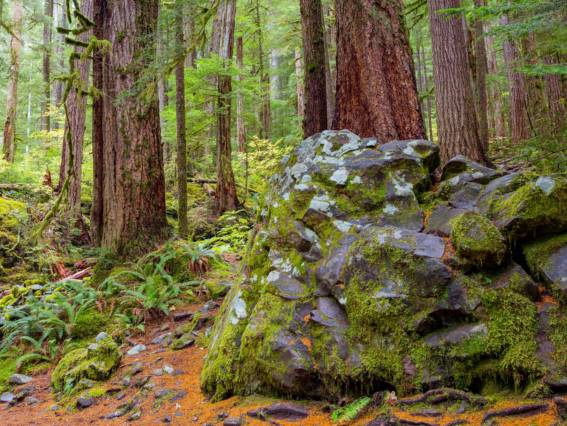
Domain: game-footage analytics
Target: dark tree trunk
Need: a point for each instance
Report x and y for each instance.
(240, 126)
(315, 119)
(519, 126)
(481, 70)
(224, 41)
(555, 99)
(133, 185)
(299, 88)
(46, 66)
(330, 41)
(376, 91)
(265, 111)
(456, 116)
(181, 124)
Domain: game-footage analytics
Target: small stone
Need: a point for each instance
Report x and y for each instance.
(157, 372)
(233, 421)
(55, 407)
(6, 397)
(120, 396)
(222, 416)
(179, 395)
(19, 379)
(136, 368)
(92, 347)
(83, 403)
(126, 381)
(101, 336)
(136, 350)
(168, 369)
(181, 316)
(166, 419)
(135, 415)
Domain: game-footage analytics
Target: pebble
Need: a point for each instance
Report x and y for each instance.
(31, 400)
(101, 336)
(135, 415)
(157, 372)
(83, 403)
(167, 419)
(19, 379)
(136, 350)
(6, 397)
(168, 369)
(233, 421)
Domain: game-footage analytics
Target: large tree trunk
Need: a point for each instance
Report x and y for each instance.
(299, 88)
(519, 126)
(133, 185)
(481, 70)
(46, 66)
(376, 90)
(555, 99)
(495, 106)
(456, 116)
(226, 196)
(240, 126)
(315, 119)
(75, 123)
(181, 123)
(9, 146)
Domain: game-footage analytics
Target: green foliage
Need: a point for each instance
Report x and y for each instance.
(351, 411)
(233, 233)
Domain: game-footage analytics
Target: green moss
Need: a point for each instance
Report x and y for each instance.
(94, 364)
(89, 323)
(537, 253)
(12, 214)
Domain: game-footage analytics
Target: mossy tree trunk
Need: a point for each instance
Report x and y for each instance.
(132, 190)
(456, 114)
(315, 118)
(376, 90)
(9, 147)
(240, 125)
(46, 66)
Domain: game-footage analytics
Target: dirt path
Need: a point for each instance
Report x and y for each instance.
(190, 406)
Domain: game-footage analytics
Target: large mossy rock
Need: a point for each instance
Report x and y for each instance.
(96, 362)
(349, 289)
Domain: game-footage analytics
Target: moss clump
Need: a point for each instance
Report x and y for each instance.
(12, 214)
(89, 323)
(97, 362)
(477, 240)
(538, 252)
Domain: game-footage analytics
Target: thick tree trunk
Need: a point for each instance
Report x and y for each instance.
(555, 99)
(133, 185)
(481, 70)
(495, 106)
(9, 146)
(226, 196)
(77, 108)
(519, 126)
(299, 88)
(456, 116)
(181, 123)
(240, 126)
(376, 90)
(315, 119)
(46, 66)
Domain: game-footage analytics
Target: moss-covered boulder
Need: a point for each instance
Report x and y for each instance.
(96, 362)
(347, 291)
(477, 241)
(547, 258)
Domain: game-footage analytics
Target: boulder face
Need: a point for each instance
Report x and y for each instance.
(349, 288)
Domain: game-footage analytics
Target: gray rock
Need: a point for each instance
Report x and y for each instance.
(84, 402)
(547, 259)
(478, 173)
(101, 336)
(6, 397)
(439, 222)
(136, 350)
(280, 411)
(466, 197)
(455, 335)
(233, 421)
(514, 277)
(19, 379)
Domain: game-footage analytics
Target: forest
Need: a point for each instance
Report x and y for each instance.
(285, 212)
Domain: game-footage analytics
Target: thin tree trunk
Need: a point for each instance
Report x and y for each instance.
(427, 85)
(181, 124)
(456, 116)
(226, 196)
(265, 111)
(300, 91)
(46, 101)
(9, 146)
(481, 69)
(133, 197)
(315, 119)
(555, 99)
(535, 97)
(240, 126)
(329, 81)
(59, 53)
(519, 127)
(376, 90)
(495, 106)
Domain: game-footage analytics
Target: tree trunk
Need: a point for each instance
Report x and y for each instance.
(46, 101)
(481, 69)
(9, 146)
(315, 119)
(226, 196)
(181, 124)
(329, 79)
(265, 111)
(133, 185)
(519, 127)
(555, 99)
(495, 106)
(60, 53)
(456, 116)
(240, 126)
(376, 91)
(300, 91)
(75, 123)
(535, 98)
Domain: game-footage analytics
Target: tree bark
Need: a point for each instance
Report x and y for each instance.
(265, 111)
(181, 123)
(9, 146)
(299, 88)
(226, 197)
(315, 119)
(535, 97)
(240, 126)
(46, 66)
(77, 108)
(495, 106)
(555, 99)
(518, 121)
(481, 70)
(59, 53)
(133, 185)
(330, 41)
(376, 90)
(456, 116)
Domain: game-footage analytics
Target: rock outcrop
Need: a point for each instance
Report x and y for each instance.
(361, 275)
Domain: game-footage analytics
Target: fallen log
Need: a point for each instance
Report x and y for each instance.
(525, 410)
(76, 276)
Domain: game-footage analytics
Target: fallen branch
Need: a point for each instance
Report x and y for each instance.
(529, 410)
(76, 276)
(437, 396)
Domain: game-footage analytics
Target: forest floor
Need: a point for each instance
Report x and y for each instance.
(185, 404)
